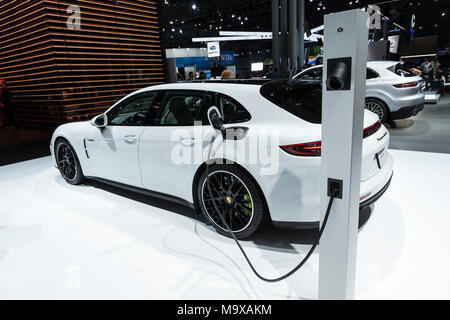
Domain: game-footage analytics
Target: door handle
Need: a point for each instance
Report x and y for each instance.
(130, 138)
(187, 142)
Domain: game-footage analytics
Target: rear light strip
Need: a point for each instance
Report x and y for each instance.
(371, 129)
(310, 149)
(314, 149)
(406, 85)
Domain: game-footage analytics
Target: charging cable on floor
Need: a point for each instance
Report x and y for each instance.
(304, 260)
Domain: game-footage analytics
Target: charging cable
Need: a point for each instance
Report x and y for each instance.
(305, 259)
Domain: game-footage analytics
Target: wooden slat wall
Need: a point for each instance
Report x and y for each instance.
(58, 75)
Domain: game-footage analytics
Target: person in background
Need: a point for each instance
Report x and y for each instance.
(191, 76)
(432, 70)
(6, 105)
(227, 74)
(202, 75)
(425, 68)
(272, 74)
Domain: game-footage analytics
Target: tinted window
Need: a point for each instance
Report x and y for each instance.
(133, 111)
(182, 108)
(232, 111)
(301, 98)
(371, 74)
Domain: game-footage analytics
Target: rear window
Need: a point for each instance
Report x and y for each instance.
(398, 69)
(303, 99)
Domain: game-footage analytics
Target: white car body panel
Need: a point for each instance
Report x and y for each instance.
(292, 193)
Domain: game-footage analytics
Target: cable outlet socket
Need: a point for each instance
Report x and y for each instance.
(335, 184)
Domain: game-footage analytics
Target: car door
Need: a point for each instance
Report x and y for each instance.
(113, 150)
(171, 146)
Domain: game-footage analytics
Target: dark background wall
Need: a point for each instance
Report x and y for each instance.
(60, 71)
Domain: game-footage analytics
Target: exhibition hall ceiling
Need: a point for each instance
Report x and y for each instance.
(182, 20)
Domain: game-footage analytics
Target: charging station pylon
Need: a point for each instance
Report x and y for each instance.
(344, 83)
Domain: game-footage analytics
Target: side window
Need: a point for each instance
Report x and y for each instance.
(232, 111)
(182, 108)
(371, 74)
(313, 74)
(133, 111)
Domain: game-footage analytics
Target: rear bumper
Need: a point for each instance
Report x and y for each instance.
(407, 112)
(315, 224)
(375, 197)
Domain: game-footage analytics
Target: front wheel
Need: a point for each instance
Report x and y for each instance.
(237, 197)
(377, 107)
(68, 163)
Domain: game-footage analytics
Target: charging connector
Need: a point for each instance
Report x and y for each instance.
(335, 186)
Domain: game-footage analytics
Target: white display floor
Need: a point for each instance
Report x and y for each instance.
(73, 242)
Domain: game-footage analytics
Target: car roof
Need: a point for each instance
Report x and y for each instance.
(221, 87)
(386, 64)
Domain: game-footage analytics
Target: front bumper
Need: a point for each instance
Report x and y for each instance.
(407, 112)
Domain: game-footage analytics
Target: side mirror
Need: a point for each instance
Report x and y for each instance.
(100, 121)
(215, 119)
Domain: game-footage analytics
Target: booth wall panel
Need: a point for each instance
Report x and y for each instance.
(59, 74)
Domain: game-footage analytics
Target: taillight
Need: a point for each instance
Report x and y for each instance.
(310, 149)
(371, 129)
(406, 85)
(314, 149)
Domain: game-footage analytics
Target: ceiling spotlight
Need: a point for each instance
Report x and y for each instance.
(194, 6)
(443, 13)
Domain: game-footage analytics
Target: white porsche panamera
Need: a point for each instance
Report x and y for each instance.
(156, 141)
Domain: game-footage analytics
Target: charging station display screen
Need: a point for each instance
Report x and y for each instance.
(258, 66)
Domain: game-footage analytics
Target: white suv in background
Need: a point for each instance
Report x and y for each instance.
(391, 93)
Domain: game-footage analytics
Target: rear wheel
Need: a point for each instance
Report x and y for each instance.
(237, 197)
(68, 163)
(377, 107)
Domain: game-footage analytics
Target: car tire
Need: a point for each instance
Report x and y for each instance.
(377, 107)
(68, 164)
(243, 205)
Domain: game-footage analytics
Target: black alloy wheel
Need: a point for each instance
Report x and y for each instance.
(238, 199)
(68, 163)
